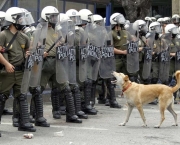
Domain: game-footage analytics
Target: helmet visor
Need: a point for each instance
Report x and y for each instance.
(29, 18)
(19, 18)
(91, 18)
(1, 21)
(175, 20)
(52, 18)
(100, 22)
(76, 20)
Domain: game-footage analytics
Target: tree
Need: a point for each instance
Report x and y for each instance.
(135, 9)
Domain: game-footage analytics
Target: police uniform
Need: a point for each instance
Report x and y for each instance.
(49, 72)
(87, 85)
(158, 47)
(16, 56)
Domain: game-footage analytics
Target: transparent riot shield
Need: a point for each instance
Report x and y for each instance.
(107, 65)
(38, 57)
(96, 38)
(62, 54)
(30, 60)
(177, 56)
(83, 51)
(164, 61)
(72, 53)
(148, 50)
(132, 48)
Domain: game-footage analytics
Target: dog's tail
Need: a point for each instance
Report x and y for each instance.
(177, 86)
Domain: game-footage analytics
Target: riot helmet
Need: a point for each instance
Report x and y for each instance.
(175, 19)
(156, 27)
(86, 16)
(74, 16)
(143, 29)
(117, 19)
(153, 19)
(2, 17)
(15, 16)
(172, 30)
(50, 15)
(29, 21)
(98, 19)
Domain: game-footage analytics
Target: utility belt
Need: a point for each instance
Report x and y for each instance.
(155, 60)
(50, 57)
(120, 56)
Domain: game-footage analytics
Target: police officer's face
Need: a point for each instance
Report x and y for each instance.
(117, 28)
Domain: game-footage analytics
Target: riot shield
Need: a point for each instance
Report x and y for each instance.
(72, 53)
(83, 51)
(38, 57)
(164, 61)
(29, 64)
(96, 38)
(148, 56)
(177, 56)
(132, 48)
(62, 54)
(107, 65)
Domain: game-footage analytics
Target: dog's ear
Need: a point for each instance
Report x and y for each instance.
(126, 78)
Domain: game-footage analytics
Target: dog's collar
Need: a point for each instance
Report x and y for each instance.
(127, 87)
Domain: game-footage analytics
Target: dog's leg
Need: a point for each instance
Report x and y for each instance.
(162, 109)
(170, 109)
(140, 109)
(130, 108)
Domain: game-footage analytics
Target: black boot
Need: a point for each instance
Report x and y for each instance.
(175, 95)
(87, 107)
(62, 107)
(111, 93)
(24, 124)
(55, 103)
(70, 108)
(32, 111)
(7, 112)
(101, 98)
(38, 107)
(15, 117)
(3, 99)
(93, 93)
(77, 102)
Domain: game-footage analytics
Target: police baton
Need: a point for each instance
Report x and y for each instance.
(54, 44)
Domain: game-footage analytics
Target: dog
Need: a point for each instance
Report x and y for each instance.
(138, 94)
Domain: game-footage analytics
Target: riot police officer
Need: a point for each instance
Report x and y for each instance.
(50, 15)
(15, 20)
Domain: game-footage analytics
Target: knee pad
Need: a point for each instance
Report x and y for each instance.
(35, 90)
(88, 83)
(75, 88)
(67, 89)
(22, 97)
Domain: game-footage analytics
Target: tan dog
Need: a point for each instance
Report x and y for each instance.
(138, 94)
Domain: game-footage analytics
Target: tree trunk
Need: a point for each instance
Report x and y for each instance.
(135, 9)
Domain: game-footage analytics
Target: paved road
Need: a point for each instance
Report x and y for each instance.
(101, 129)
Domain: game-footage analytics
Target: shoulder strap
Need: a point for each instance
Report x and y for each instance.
(12, 40)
